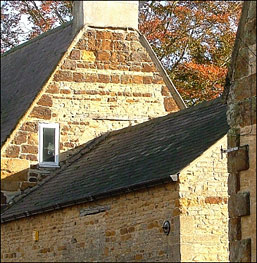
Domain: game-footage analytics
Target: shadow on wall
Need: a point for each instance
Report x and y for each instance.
(16, 183)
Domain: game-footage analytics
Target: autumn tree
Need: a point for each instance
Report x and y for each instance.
(41, 16)
(193, 39)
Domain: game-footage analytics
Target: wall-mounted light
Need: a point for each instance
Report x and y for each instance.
(166, 227)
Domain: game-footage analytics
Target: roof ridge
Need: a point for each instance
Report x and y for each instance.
(36, 38)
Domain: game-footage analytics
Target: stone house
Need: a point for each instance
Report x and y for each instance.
(74, 83)
(155, 191)
(240, 96)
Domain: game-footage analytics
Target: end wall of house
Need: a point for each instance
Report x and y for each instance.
(106, 81)
(241, 116)
(130, 230)
(203, 207)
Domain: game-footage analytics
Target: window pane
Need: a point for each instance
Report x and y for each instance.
(48, 144)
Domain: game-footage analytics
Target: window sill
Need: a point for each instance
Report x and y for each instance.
(44, 165)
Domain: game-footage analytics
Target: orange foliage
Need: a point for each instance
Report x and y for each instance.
(194, 41)
(42, 15)
(206, 71)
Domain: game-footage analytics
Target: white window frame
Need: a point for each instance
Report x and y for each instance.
(56, 146)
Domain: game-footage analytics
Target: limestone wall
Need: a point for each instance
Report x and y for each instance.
(129, 230)
(203, 207)
(106, 81)
(241, 116)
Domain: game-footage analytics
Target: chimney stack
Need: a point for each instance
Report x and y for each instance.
(105, 14)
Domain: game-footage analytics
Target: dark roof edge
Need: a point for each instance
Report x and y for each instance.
(177, 97)
(36, 38)
(113, 192)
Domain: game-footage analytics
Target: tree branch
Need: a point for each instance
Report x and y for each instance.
(39, 13)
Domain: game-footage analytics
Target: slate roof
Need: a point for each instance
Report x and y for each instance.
(25, 69)
(145, 154)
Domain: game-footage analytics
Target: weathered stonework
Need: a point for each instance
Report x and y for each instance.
(203, 208)
(128, 227)
(238, 160)
(239, 205)
(241, 116)
(106, 82)
(242, 251)
(130, 230)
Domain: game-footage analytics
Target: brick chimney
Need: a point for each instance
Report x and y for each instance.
(105, 14)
